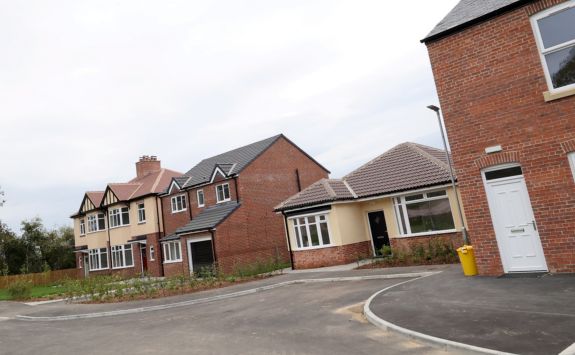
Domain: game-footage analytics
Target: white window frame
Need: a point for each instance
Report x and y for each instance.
(571, 157)
(97, 255)
(168, 257)
(543, 51)
(95, 219)
(152, 253)
(119, 256)
(297, 235)
(225, 199)
(82, 227)
(141, 212)
(400, 209)
(119, 213)
(201, 191)
(182, 199)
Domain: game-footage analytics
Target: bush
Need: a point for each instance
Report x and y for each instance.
(259, 267)
(20, 290)
(385, 250)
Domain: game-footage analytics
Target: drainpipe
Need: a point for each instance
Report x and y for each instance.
(288, 240)
(109, 246)
(189, 204)
(237, 191)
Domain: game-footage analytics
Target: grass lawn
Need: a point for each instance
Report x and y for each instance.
(37, 292)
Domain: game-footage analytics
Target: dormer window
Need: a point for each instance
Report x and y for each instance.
(223, 193)
(555, 34)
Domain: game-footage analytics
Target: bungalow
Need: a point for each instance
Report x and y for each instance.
(221, 211)
(399, 199)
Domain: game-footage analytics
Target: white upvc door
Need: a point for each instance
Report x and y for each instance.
(515, 226)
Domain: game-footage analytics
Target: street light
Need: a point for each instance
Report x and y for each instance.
(463, 229)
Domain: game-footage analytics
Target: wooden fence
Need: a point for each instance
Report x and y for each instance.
(41, 278)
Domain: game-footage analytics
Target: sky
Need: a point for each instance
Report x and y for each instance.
(86, 87)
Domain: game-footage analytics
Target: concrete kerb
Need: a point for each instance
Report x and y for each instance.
(435, 341)
(222, 297)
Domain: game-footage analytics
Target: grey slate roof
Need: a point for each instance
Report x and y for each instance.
(405, 167)
(239, 158)
(470, 11)
(209, 218)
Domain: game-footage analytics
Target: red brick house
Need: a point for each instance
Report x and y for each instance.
(221, 210)
(505, 75)
(400, 199)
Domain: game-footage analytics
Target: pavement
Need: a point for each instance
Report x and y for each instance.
(316, 317)
(530, 315)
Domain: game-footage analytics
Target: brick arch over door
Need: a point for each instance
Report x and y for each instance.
(497, 159)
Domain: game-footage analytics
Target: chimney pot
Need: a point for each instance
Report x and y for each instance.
(146, 165)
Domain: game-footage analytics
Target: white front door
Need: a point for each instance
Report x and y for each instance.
(513, 220)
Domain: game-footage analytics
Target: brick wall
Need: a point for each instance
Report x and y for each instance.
(407, 244)
(339, 255)
(490, 82)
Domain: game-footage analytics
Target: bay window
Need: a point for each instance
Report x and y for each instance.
(311, 231)
(98, 259)
(122, 256)
(424, 213)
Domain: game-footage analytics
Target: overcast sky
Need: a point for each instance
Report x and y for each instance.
(88, 86)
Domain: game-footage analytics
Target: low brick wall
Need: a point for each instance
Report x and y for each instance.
(406, 244)
(338, 255)
(175, 269)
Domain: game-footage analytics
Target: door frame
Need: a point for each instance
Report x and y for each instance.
(369, 228)
(502, 253)
(189, 242)
(86, 264)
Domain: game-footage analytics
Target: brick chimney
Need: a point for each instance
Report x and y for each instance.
(147, 164)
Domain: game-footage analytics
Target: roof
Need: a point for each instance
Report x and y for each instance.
(231, 162)
(469, 12)
(405, 167)
(95, 197)
(209, 218)
(151, 183)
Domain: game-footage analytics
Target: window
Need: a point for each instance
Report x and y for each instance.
(122, 256)
(200, 198)
(223, 193)
(311, 231)
(179, 203)
(82, 227)
(96, 222)
(555, 36)
(141, 213)
(172, 251)
(119, 217)
(152, 253)
(571, 157)
(423, 213)
(98, 259)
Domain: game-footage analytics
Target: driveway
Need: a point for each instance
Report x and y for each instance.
(314, 318)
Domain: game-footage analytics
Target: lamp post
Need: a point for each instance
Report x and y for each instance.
(463, 229)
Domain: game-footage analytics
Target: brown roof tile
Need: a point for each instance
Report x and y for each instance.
(405, 167)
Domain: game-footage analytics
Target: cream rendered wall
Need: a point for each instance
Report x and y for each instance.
(121, 235)
(348, 223)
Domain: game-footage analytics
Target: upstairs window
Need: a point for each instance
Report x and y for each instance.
(555, 34)
(179, 203)
(423, 213)
(141, 213)
(119, 217)
(82, 227)
(200, 198)
(223, 193)
(96, 222)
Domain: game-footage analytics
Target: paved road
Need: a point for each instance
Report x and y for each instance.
(320, 318)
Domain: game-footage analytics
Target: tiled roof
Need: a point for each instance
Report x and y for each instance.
(95, 197)
(209, 218)
(405, 167)
(239, 158)
(467, 12)
(154, 182)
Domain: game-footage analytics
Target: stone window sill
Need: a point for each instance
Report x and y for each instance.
(550, 96)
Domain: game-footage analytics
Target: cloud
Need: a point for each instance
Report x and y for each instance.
(86, 87)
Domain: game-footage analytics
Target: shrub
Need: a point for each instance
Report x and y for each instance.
(385, 250)
(20, 290)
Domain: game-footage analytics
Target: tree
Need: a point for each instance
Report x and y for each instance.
(12, 252)
(2, 200)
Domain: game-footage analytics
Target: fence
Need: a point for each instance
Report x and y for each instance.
(41, 278)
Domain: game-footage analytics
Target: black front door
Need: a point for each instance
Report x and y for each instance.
(378, 230)
(202, 255)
